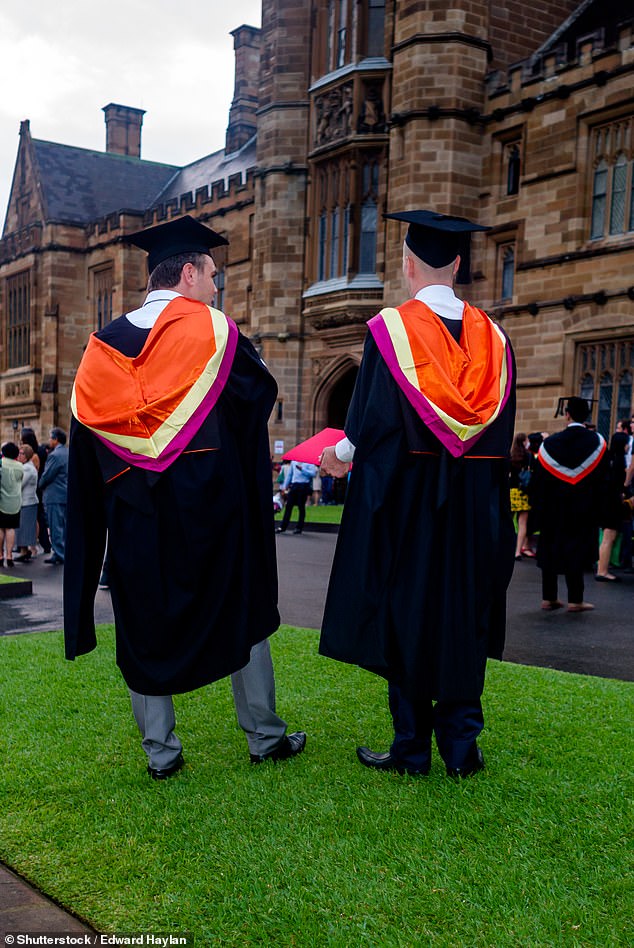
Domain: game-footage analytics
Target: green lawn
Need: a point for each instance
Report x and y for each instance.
(319, 514)
(4, 578)
(534, 851)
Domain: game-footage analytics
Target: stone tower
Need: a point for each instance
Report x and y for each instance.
(280, 204)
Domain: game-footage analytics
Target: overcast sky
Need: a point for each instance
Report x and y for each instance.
(62, 62)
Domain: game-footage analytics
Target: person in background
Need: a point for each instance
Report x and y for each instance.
(26, 534)
(612, 511)
(519, 477)
(11, 474)
(567, 497)
(39, 460)
(424, 554)
(298, 483)
(54, 487)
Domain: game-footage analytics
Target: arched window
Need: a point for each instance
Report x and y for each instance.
(586, 389)
(346, 238)
(617, 204)
(334, 242)
(367, 235)
(513, 170)
(599, 192)
(508, 271)
(606, 390)
(321, 247)
(624, 396)
(613, 178)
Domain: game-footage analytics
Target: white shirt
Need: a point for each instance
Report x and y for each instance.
(155, 303)
(444, 302)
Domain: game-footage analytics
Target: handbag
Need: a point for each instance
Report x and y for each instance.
(524, 478)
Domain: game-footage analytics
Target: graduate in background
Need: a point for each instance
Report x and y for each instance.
(169, 455)
(567, 497)
(425, 550)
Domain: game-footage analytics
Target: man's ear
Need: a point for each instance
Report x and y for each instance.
(187, 273)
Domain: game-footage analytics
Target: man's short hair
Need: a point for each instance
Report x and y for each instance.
(168, 273)
(58, 434)
(578, 408)
(10, 450)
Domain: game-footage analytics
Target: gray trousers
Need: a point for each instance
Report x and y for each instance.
(254, 697)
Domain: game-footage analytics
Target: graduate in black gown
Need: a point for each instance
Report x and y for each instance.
(169, 458)
(425, 550)
(569, 480)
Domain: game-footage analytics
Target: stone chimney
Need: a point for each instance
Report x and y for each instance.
(123, 130)
(242, 122)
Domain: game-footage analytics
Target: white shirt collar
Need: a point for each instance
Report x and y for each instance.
(155, 303)
(442, 300)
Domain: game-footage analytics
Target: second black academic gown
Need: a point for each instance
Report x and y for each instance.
(425, 549)
(567, 514)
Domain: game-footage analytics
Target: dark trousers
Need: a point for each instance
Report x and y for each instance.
(574, 583)
(456, 725)
(297, 497)
(42, 536)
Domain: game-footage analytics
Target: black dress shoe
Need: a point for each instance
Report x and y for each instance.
(290, 746)
(474, 763)
(280, 529)
(162, 773)
(54, 560)
(386, 762)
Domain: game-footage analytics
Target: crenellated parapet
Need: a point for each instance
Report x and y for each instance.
(218, 198)
(20, 242)
(555, 70)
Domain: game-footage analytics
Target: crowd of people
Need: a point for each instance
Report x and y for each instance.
(33, 498)
(572, 498)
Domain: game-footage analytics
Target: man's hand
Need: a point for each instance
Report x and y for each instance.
(330, 463)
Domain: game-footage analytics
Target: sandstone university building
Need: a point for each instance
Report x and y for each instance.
(516, 115)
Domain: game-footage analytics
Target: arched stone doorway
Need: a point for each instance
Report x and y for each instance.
(333, 395)
(339, 398)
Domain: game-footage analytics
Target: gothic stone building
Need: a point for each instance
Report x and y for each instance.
(521, 117)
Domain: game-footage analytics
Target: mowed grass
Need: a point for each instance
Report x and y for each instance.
(536, 850)
(320, 514)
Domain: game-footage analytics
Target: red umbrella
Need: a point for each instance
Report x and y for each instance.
(310, 451)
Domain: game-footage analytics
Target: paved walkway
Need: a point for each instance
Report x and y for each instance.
(595, 643)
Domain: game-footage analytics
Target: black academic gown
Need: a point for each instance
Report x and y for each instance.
(191, 551)
(567, 515)
(425, 550)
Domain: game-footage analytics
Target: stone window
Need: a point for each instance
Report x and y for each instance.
(513, 167)
(334, 213)
(18, 327)
(347, 31)
(102, 295)
(375, 45)
(369, 217)
(605, 371)
(337, 46)
(219, 280)
(612, 184)
(507, 269)
(346, 212)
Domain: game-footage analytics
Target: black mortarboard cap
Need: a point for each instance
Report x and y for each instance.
(437, 239)
(181, 235)
(578, 405)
